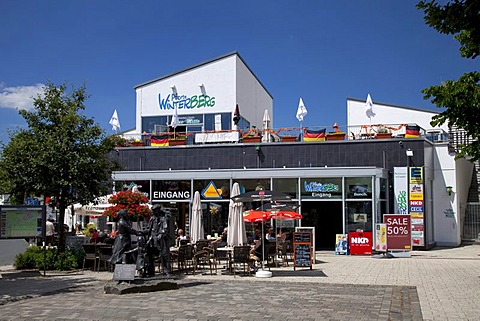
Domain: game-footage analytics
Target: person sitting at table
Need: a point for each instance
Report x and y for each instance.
(270, 235)
(181, 238)
(256, 252)
(222, 239)
(94, 237)
(281, 235)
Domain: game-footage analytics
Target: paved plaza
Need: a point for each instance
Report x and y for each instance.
(440, 284)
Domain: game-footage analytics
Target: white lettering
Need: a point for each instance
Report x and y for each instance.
(360, 240)
(171, 194)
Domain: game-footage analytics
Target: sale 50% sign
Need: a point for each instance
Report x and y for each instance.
(399, 227)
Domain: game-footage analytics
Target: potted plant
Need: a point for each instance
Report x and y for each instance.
(288, 138)
(136, 142)
(251, 139)
(336, 136)
(383, 132)
(177, 140)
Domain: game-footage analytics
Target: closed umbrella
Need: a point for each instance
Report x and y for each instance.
(237, 235)
(266, 137)
(197, 232)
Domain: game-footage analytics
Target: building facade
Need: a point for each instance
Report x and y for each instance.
(333, 182)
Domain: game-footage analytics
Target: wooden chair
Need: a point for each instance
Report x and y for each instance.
(104, 254)
(90, 254)
(241, 255)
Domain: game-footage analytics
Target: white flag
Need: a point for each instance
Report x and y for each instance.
(174, 122)
(369, 107)
(114, 121)
(301, 111)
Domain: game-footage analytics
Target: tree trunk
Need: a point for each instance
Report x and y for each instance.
(61, 228)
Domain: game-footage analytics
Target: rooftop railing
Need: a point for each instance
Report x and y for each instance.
(285, 134)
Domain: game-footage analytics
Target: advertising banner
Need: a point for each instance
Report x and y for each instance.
(416, 204)
(399, 234)
(381, 237)
(400, 189)
(341, 244)
(360, 243)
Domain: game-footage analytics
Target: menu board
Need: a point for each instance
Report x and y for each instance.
(20, 221)
(302, 249)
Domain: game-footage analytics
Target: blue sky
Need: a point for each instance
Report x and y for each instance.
(322, 51)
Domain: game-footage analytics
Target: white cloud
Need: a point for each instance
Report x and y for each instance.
(20, 97)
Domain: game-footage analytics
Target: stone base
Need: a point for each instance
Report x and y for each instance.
(140, 285)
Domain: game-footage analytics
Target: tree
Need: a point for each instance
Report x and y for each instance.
(61, 154)
(461, 98)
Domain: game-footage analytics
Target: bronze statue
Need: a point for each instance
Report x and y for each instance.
(160, 237)
(123, 241)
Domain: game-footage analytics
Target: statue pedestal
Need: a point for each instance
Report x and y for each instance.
(141, 285)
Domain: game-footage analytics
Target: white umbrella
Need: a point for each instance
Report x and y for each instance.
(237, 235)
(369, 108)
(266, 137)
(114, 121)
(196, 230)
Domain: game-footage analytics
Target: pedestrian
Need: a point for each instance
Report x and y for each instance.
(49, 231)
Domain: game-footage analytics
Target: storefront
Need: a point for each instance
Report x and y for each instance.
(329, 201)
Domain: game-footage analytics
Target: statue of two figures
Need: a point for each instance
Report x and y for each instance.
(153, 241)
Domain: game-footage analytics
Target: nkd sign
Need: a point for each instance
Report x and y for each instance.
(360, 242)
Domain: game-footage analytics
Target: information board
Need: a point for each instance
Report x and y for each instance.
(302, 249)
(307, 229)
(21, 221)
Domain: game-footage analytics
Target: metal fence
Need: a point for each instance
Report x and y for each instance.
(471, 227)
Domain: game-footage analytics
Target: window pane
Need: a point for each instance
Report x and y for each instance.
(288, 186)
(358, 187)
(358, 216)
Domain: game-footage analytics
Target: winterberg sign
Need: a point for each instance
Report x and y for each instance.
(185, 102)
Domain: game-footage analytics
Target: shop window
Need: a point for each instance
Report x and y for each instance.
(288, 186)
(321, 188)
(358, 216)
(358, 187)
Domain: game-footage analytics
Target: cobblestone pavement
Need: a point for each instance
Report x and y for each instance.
(440, 284)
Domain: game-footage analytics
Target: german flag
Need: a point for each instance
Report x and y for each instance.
(412, 131)
(313, 135)
(159, 140)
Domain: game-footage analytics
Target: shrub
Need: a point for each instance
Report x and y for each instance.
(33, 258)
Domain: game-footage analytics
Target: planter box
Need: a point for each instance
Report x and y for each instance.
(252, 139)
(177, 142)
(137, 144)
(288, 138)
(336, 136)
(383, 135)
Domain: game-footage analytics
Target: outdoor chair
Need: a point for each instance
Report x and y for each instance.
(219, 256)
(104, 254)
(241, 255)
(90, 254)
(185, 258)
(203, 258)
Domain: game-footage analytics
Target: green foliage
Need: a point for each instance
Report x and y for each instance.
(33, 258)
(459, 18)
(461, 98)
(61, 154)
